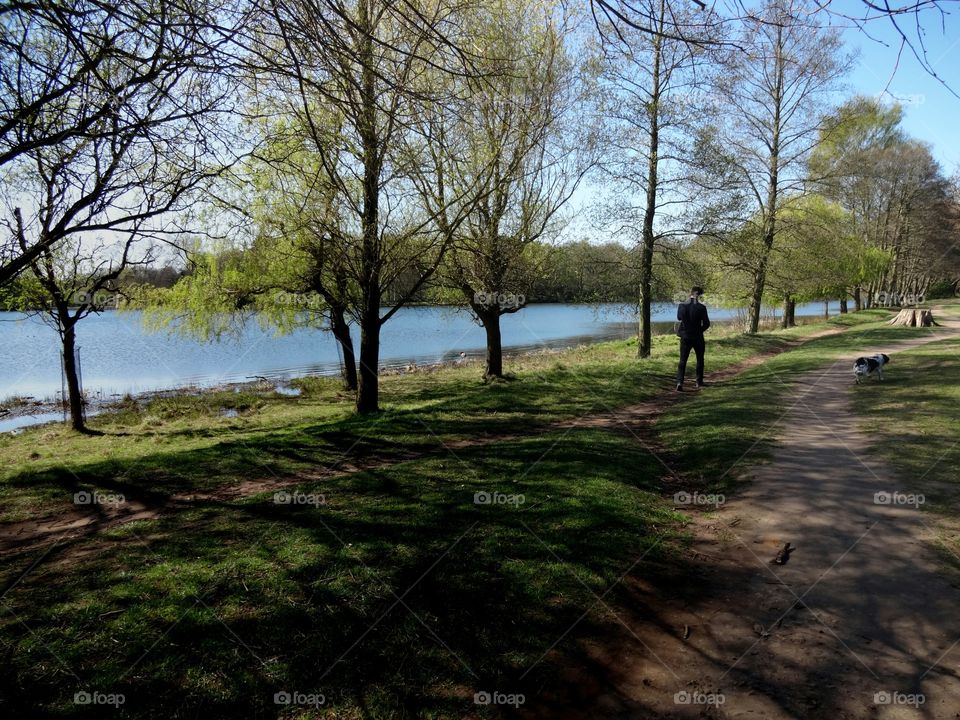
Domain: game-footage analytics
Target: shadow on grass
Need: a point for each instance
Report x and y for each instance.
(424, 418)
(399, 596)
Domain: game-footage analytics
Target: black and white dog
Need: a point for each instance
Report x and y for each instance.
(866, 366)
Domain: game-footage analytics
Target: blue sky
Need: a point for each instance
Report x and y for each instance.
(932, 112)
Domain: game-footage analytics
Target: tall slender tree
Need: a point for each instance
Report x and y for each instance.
(653, 85)
(520, 149)
(774, 96)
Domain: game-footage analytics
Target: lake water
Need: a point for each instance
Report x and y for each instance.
(119, 356)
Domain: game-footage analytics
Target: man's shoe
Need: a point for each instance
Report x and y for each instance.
(700, 384)
(679, 387)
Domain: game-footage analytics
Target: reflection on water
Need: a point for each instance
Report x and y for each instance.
(38, 418)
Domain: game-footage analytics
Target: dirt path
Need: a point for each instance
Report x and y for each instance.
(860, 622)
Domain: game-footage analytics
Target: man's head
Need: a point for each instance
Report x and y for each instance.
(696, 291)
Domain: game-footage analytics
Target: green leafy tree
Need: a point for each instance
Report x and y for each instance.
(375, 67)
(900, 202)
(515, 158)
(815, 253)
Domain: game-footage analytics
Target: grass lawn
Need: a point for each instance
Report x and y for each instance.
(916, 419)
(391, 593)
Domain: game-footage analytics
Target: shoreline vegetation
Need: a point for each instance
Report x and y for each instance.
(447, 401)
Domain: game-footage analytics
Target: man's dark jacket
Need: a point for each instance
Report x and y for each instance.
(693, 319)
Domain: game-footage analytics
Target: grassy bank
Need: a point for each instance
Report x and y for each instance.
(390, 592)
(916, 420)
(188, 443)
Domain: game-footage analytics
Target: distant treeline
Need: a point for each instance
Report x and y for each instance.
(573, 272)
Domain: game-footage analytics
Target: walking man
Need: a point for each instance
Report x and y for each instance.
(693, 319)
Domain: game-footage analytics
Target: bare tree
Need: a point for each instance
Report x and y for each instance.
(518, 148)
(70, 281)
(755, 159)
(103, 108)
(916, 225)
(654, 87)
(912, 22)
(616, 20)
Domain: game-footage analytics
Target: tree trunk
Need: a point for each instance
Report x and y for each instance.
(368, 389)
(74, 392)
(491, 324)
(756, 297)
(826, 309)
(341, 331)
(646, 259)
(773, 189)
(646, 281)
(913, 318)
(789, 312)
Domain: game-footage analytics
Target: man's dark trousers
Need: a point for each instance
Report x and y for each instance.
(698, 345)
